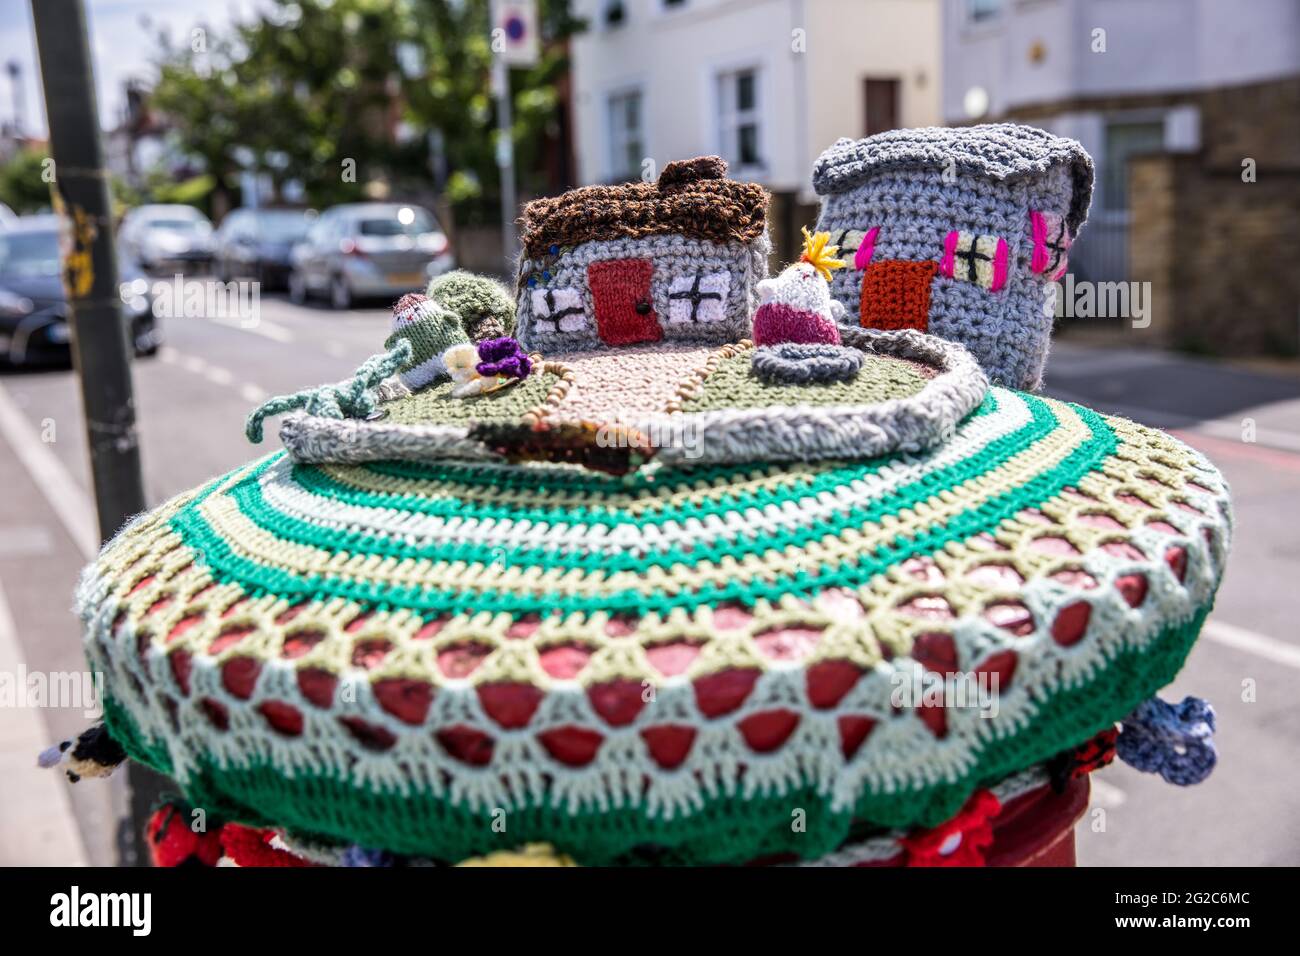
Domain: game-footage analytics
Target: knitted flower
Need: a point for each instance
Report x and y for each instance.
(1175, 741)
(172, 842)
(503, 356)
(959, 842)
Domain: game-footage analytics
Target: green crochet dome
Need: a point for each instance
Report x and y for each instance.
(485, 307)
(395, 653)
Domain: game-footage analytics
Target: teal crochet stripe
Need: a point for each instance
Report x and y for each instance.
(251, 501)
(260, 579)
(795, 487)
(726, 830)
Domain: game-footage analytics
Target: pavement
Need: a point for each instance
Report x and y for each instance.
(191, 402)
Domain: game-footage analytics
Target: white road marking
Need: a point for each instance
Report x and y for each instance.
(69, 502)
(249, 392)
(1106, 794)
(1269, 648)
(25, 541)
(37, 825)
(218, 375)
(263, 327)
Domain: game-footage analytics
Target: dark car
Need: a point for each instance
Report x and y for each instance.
(34, 306)
(256, 244)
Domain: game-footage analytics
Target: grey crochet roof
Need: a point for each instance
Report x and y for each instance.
(1001, 151)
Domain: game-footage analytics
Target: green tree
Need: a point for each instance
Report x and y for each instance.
(24, 182)
(313, 90)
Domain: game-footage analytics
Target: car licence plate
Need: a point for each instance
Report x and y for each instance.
(406, 278)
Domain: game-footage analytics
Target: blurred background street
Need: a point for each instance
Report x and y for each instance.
(332, 156)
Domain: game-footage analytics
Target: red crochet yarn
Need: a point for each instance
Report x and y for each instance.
(248, 846)
(172, 842)
(896, 295)
(959, 842)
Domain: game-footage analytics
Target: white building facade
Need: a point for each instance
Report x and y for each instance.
(766, 84)
(1121, 76)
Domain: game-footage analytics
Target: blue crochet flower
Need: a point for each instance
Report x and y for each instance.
(1175, 741)
(356, 856)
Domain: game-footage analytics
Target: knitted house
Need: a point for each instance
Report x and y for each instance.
(612, 266)
(958, 232)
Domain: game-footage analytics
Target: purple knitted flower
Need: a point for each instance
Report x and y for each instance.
(503, 356)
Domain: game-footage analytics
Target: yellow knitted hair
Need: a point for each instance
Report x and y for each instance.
(819, 255)
(534, 854)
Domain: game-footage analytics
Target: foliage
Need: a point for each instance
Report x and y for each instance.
(23, 188)
(315, 89)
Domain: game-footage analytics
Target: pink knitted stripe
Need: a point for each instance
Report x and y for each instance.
(776, 322)
(1039, 226)
(949, 254)
(868, 246)
(999, 266)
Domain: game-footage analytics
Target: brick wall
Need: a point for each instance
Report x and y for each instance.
(1220, 252)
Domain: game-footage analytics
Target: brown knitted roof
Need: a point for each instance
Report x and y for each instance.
(692, 198)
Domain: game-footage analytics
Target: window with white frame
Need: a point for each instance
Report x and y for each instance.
(978, 11)
(740, 118)
(626, 137)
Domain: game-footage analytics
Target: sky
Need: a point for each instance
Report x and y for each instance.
(122, 47)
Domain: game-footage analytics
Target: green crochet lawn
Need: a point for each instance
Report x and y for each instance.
(435, 405)
(727, 830)
(734, 385)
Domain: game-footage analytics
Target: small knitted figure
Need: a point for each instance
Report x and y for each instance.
(797, 305)
(432, 330)
(93, 754)
(486, 309)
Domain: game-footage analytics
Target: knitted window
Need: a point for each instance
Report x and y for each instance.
(698, 298)
(974, 258)
(1051, 243)
(855, 245)
(558, 310)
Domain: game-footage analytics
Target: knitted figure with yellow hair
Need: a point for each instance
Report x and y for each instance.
(796, 306)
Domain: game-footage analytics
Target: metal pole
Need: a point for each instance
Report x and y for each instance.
(505, 160)
(99, 335)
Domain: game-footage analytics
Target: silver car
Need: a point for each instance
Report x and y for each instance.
(368, 250)
(162, 236)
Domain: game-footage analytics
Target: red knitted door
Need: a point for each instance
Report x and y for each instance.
(620, 290)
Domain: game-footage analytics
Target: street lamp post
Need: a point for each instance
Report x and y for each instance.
(99, 335)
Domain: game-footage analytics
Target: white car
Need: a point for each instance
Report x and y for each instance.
(164, 237)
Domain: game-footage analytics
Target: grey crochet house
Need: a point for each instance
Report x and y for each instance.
(958, 232)
(613, 266)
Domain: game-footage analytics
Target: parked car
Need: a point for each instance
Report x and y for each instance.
(368, 250)
(163, 237)
(257, 244)
(34, 306)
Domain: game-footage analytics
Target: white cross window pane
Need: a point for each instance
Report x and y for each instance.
(626, 144)
(740, 119)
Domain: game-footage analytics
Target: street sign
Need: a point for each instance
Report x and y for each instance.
(514, 31)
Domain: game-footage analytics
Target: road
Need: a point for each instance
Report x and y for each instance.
(192, 399)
